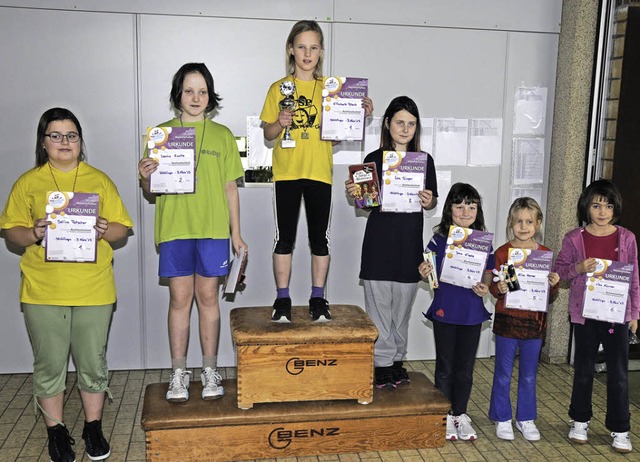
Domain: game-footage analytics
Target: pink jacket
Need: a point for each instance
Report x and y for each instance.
(573, 252)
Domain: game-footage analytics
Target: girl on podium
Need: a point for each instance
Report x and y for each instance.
(192, 231)
(302, 166)
(389, 272)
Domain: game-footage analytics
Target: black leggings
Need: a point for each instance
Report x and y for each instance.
(317, 205)
(456, 348)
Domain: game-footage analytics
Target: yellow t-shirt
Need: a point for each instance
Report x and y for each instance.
(312, 158)
(64, 284)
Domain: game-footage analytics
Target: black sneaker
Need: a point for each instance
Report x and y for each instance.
(281, 310)
(384, 377)
(95, 445)
(60, 443)
(319, 309)
(400, 376)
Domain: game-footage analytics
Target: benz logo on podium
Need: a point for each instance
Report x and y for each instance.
(296, 366)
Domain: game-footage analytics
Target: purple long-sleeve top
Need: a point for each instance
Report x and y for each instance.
(573, 252)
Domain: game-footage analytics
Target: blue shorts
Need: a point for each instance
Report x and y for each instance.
(184, 257)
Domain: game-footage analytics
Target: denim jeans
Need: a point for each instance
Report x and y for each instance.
(500, 404)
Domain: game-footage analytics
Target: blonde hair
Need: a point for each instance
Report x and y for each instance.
(525, 203)
(299, 28)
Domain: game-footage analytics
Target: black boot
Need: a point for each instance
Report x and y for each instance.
(95, 445)
(400, 375)
(60, 443)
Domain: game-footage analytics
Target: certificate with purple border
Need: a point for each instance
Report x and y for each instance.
(532, 270)
(403, 175)
(607, 291)
(174, 149)
(71, 236)
(465, 257)
(343, 117)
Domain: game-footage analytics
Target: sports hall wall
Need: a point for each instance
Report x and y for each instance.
(111, 63)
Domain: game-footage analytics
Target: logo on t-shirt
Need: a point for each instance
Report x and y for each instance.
(209, 152)
(306, 115)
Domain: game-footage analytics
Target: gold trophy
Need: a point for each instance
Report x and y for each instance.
(287, 88)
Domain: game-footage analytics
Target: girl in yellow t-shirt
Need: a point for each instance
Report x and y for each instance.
(302, 171)
(67, 305)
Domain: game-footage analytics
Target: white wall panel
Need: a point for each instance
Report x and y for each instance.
(516, 15)
(112, 63)
(86, 63)
(321, 10)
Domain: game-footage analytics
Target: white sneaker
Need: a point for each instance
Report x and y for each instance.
(211, 384)
(578, 432)
(178, 391)
(621, 442)
(504, 430)
(528, 429)
(452, 431)
(465, 430)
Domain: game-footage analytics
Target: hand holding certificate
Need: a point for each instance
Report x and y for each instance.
(432, 277)
(174, 149)
(71, 236)
(607, 290)
(343, 116)
(466, 256)
(236, 273)
(532, 271)
(403, 175)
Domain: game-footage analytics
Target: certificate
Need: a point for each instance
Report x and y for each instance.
(605, 297)
(403, 175)
(343, 117)
(71, 236)
(236, 273)
(174, 149)
(532, 270)
(465, 257)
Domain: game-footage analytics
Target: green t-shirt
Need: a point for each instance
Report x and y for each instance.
(204, 214)
(57, 283)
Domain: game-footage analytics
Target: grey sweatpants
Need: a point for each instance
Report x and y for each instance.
(389, 305)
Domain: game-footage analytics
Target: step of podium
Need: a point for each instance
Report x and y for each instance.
(303, 360)
(409, 417)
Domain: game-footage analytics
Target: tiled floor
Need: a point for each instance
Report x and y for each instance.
(22, 438)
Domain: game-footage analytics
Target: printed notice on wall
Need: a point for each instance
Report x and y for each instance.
(259, 154)
(372, 134)
(451, 141)
(530, 109)
(426, 135)
(527, 161)
(485, 145)
(533, 192)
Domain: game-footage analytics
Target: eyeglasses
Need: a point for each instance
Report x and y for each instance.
(56, 137)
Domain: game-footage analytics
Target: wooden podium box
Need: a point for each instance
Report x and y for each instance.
(410, 417)
(303, 360)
